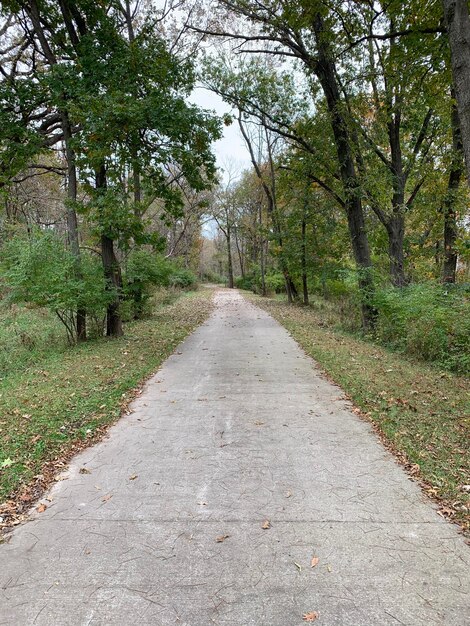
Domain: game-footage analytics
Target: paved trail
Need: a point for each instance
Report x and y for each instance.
(238, 427)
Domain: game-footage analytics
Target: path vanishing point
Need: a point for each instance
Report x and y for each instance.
(239, 464)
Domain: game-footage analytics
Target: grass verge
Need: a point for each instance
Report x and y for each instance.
(422, 414)
(64, 402)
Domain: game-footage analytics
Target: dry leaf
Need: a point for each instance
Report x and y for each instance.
(202, 503)
(106, 498)
(41, 508)
(222, 538)
(288, 494)
(314, 562)
(266, 524)
(298, 566)
(310, 617)
(84, 470)
(133, 477)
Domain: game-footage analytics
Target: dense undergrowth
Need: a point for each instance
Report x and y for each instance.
(421, 410)
(56, 398)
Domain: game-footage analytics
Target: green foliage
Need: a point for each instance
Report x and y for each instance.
(147, 270)
(183, 278)
(246, 282)
(208, 276)
(275, 282)
(40, 271)
(429, 321)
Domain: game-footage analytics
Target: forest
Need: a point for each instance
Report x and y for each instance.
(356, 193)
(355, 117)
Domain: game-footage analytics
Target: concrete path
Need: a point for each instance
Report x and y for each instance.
(238, 427)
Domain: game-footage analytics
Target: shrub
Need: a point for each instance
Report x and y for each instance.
(146, 270)
(429, 321)
(245, 282)
(41, 271)
(275, 282)
(183, 278)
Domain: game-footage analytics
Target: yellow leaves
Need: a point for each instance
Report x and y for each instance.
(221, 538)
(266, 524)
(314, 562)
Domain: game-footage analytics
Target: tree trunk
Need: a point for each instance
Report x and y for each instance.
(396, 233)
(262, 252)
(304, 261)
(72, 222)
(325, 70)
(112, 272)
(457, 21)
(229, 259)
(448, 204)
(240, 254)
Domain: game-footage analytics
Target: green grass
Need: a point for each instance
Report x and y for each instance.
(421, 411)
(56, 399)
(26, 336)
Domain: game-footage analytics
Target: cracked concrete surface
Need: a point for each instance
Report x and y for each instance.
(236, 428)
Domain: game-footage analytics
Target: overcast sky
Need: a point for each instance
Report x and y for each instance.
(231, 148)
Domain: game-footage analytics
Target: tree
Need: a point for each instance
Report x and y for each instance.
(457, 20)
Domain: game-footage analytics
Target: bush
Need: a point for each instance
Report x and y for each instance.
(208, 276)
(183, 278)
(275, 283)
(245, 282)
(428, 321)
(41, 271)
(145, 271)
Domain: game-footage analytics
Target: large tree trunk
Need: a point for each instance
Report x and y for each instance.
(448, 204)
(112, 272)
(325, 70)
(457, 21)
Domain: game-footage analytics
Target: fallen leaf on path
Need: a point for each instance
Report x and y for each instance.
(222, 538)
(84, 470)
(310, 617)
(106, 498)
(298, 566)
(288, 494)
(133, 477)
(41, 508)
(202, 503)
(314, 562)
(266, 524)
(259, 423)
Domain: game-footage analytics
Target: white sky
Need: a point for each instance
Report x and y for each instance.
(231, 148)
